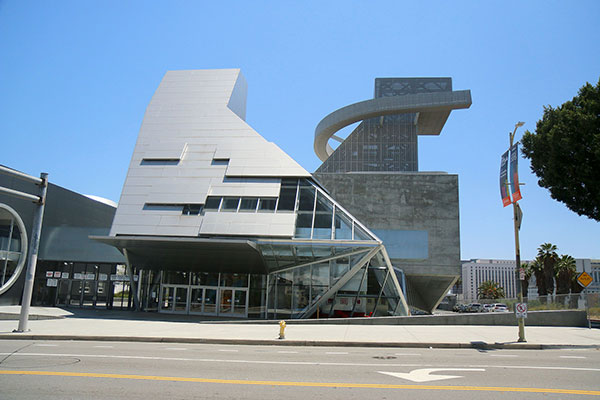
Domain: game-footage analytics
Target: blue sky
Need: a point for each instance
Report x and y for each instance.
(76, 77)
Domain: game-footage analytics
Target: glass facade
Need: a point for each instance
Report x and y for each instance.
(332, 267)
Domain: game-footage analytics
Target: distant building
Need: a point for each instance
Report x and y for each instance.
(475, 272)
(72, 270)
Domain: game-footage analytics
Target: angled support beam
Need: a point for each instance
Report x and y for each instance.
(341, 282)
(402, 300)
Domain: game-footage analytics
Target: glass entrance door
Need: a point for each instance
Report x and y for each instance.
(233, 302)
(174, 299)
(62, 294)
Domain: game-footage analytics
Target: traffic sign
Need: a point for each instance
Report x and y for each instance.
(584, 279)
(521, 310)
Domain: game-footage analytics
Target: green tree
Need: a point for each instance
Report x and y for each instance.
(490, 290)
(537, 267)
(565, 152)
(565, 273)
(548, 257)
(525, 283)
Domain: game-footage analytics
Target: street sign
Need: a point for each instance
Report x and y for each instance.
(521, 274)
(584, 279)
(521, 310)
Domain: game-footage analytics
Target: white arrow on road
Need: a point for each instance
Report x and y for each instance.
(422, 375)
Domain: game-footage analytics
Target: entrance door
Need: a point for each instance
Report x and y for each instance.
(174, 299)
(89, 294)
(101, 293)
(62, 294)
(181, 299)
(233, 302)
(210, 301)
(75, 295)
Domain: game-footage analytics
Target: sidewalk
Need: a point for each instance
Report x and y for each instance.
(149, 327)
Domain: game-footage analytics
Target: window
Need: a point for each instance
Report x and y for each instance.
(287, 195)
(220, 161)
(160, 161)
(212, 203)
(267, 204)
(191, 209)
(249, 204)
(230, 203)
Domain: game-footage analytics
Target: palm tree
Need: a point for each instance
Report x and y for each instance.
(537, 267)
(565, 272)
(490, 290)
(548, 257)
(525, 283)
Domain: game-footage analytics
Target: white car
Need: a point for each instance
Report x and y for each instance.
(499, 307)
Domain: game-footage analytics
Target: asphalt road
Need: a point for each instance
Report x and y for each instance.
(117, 370)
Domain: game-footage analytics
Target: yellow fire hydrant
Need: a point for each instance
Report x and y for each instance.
(281, 329)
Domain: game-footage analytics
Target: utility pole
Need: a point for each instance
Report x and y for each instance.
(518, 216)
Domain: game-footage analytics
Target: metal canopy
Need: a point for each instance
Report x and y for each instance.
(174, 253)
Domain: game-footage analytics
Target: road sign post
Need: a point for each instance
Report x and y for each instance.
(584, 279)
(517, 214)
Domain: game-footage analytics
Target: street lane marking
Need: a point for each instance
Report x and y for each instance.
(424, 374)
(334, 364)
(229, 350)
(175, 348)
(304, 384)
(104, 347)
(407, 354)
(336, 352)
(503, 355)
(572, 357)
(45, 345)
(287, 352)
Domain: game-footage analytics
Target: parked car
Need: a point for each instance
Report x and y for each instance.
(499, 307)
(488, 307)
(475, 307)
(460, 308)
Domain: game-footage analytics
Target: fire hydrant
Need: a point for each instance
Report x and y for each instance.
(281, 329)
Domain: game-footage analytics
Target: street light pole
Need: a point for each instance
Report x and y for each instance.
(517, 216)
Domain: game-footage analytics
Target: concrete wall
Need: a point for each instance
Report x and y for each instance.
(418, 202)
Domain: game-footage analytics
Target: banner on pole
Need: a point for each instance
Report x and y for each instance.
(504, 180)
(515, 190)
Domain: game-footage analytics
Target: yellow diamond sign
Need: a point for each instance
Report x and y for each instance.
(584, 279)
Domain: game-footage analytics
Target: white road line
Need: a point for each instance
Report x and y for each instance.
(572, 357)
(287, 352)
(175, 348)
(503, 355)
(104, 347)
(407, 354)
(228, 350)
(45, 345)
(336, 352)
(379, 365)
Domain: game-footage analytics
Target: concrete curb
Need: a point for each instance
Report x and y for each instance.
(315, 343)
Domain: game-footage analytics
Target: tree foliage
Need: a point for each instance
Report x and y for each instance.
(565, 152)
(565, 273)
(548, 258)
(490, 290)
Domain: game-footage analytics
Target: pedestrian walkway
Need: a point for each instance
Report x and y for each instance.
(127, 326)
